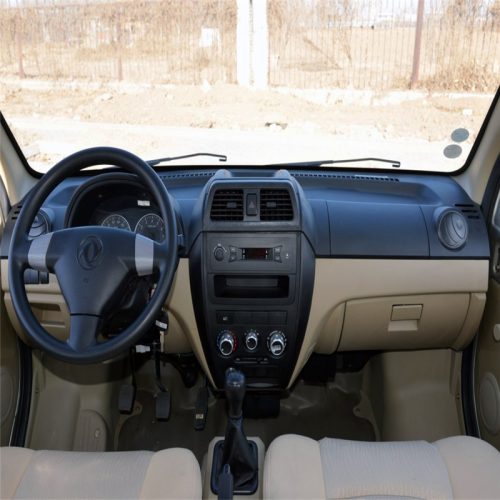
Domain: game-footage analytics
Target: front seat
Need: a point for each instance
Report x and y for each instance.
(167, 474)
(297, 467)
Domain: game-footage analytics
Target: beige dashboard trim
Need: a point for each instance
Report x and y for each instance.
(340, 280)
(337, 281)
(51, 309)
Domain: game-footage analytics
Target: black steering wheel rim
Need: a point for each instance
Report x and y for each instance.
(167, 265)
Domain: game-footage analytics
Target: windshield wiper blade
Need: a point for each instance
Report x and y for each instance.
(153, 163)
(318, 163)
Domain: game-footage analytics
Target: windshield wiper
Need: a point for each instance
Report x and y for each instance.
(318, 163)
(153, 163)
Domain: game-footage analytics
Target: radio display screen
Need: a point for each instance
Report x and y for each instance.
(256, 253)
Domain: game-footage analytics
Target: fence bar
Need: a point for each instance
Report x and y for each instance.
(418, 45)
(119, 42)
(19, 45)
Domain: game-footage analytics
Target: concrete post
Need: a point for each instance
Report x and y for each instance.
(260, 44)
(243, 43)
(418, 44)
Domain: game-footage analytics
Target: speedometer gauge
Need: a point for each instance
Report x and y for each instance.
(117, 221)
(151, 226)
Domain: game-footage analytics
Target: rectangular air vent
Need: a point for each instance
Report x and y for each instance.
(275, 204)
(16, 212)
(469, 210)
(227, 205)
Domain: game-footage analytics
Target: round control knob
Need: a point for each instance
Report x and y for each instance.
(276, 343)
(226, 342)
(219, 253)
(251, 340)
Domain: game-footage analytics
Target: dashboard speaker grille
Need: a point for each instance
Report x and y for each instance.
(353, 177)
(227, 205)
(275, 204)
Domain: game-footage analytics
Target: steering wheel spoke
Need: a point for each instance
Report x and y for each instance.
(84, 331)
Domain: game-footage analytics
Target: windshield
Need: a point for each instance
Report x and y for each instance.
(262, 82)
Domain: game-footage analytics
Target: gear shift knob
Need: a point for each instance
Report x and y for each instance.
(235, 393)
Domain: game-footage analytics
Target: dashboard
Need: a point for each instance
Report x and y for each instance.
(278, 264)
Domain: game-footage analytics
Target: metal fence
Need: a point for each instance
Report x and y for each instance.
(312, 43)
(168, 41)
(371, 44)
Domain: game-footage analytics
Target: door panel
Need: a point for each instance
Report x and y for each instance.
(9, 374)
(9, 354)
(487, 373)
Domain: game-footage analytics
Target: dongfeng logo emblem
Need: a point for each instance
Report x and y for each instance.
(90, 252)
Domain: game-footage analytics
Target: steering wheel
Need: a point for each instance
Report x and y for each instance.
(94, 265)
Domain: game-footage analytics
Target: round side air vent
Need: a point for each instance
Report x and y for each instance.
(452, 229)
(40, 225)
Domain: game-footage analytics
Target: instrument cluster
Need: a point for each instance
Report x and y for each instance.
(150, 225)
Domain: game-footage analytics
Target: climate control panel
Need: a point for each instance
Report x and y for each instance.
(227, 342)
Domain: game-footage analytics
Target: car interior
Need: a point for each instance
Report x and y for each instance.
(281, 331)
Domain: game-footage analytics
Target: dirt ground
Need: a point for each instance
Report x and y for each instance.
(229, 107)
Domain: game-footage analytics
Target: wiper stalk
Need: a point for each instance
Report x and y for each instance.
(153, 163)
(318, 163)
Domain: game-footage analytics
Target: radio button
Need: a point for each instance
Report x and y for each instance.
(219, 254)
(232, 254)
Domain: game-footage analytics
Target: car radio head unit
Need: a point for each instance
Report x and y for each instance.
(257, 254)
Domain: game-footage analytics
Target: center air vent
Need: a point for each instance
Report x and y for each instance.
(227, 204)
(275, 204)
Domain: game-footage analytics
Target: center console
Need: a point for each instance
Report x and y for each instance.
(252, 273)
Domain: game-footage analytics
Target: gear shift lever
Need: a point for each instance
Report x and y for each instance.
(235, 393)
(237, 452)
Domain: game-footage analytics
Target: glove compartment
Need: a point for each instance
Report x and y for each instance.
(411, 322)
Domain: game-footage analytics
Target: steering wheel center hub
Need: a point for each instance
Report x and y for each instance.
(90, 252)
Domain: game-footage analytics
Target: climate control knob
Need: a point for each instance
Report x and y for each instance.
(226, 342)
(276, 343)
(251, 340)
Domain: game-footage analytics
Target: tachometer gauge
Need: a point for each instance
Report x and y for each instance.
(117, 221)
(151, 226)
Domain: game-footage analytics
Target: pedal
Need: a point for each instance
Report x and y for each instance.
(126, 399)
(201, 409)
(163, 406)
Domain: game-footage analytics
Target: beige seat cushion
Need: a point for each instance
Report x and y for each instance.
(168, 474)
(454, 468)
